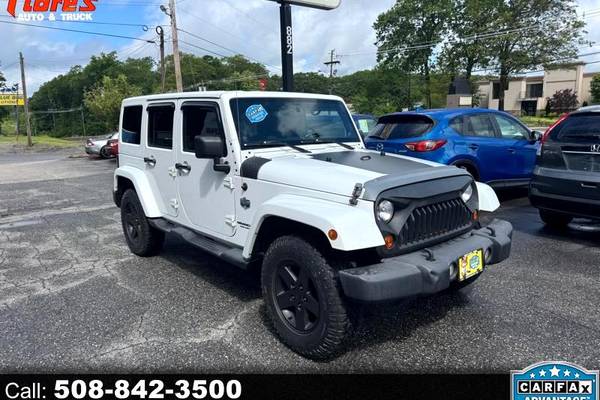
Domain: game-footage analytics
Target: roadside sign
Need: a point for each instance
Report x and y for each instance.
(11, 99)
(322, 4)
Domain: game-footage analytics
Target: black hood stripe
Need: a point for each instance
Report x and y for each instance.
(251, 166)
(374, 162)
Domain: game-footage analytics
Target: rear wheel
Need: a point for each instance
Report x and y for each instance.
(555, 220)
(105, 152)
(303, 298)
(142, 239)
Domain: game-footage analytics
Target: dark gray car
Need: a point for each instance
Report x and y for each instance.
(566, 180)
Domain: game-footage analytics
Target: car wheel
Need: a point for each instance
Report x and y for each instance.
(303, 298)
(105, 152)
(142, 239)
(555, 220)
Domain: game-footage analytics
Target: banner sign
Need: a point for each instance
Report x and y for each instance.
(11, 99)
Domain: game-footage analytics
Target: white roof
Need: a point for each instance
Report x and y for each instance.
(227, 95)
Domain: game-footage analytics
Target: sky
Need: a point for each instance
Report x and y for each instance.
(248, 27)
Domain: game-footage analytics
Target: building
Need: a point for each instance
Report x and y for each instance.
(526, 95)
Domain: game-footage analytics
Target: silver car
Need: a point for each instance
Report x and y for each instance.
(100, 147)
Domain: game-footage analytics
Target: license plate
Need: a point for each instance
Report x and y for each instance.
(470, 265)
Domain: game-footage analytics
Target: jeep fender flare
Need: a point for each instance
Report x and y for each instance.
(488, 201)
(355, 225)
(143, 187)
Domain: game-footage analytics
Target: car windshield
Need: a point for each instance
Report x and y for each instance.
(270, 122)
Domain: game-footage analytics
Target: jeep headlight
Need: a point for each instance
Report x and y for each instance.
(385, 211)
(467, 194)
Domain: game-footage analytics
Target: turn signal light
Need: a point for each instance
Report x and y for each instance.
(333, 235)
(389, 241)
(425, 145)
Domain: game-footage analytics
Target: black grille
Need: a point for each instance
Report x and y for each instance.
(433, 221)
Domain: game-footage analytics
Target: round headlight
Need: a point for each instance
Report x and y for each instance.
(385, 211)
(467, 194)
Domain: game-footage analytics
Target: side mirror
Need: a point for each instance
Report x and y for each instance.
(536, 136)
(208, 147)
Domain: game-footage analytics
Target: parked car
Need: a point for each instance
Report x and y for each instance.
(493, 146)
(365, 123)
(100, 147)
(566, 179)
(281, 181)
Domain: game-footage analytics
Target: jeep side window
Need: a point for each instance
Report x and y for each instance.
(199, 120)
(132, 125)
(160, 126)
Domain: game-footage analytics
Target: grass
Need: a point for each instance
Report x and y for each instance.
(538, 121)
(39, 141)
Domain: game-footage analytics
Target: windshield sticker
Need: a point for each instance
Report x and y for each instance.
(256, 113)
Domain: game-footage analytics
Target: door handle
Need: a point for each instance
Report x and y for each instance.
(473, 146)
(151, 161)
(184, 167)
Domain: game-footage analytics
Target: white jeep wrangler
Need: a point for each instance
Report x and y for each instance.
(283, 181)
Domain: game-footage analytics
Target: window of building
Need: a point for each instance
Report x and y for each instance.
(199, 120)
(160, 126)
(496, 90)
(535, 90)
(132, 125)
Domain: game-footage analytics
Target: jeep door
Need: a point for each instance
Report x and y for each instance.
(206, 195)
(158, 154)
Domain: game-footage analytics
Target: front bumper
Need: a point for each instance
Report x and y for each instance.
(424, 272)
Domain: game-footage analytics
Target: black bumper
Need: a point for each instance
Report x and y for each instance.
(422, 272)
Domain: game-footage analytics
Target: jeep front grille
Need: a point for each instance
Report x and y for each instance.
(428, 223)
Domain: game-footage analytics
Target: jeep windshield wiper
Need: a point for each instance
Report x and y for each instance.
(344, 145)
(282, 144)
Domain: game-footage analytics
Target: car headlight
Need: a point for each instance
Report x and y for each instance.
(385, 211)
(467, 194)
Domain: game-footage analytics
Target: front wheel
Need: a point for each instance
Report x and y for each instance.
(303, 298)
(143, 239)
(555, 220)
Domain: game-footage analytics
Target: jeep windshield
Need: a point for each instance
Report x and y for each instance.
(275, 122)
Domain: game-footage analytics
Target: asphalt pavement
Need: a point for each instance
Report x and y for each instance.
(74, 299)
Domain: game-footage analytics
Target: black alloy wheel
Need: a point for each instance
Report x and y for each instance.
(296, 297)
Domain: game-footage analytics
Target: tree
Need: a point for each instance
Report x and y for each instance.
(407, 35)
(595, 89)
(104, 100)
(535, 33)
(466, 43)
(562, 101)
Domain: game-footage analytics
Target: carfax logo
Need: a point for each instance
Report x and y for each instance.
(554, 380)
(70, 10)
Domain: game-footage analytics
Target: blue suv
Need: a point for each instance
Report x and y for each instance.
(493, 146)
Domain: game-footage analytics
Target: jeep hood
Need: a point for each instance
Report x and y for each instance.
(338, 172)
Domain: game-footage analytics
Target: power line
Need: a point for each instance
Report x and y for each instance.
(77, 31)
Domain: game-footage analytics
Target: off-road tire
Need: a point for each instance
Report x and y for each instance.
(105, 152)
(555, 220)
(143, 239)
(329, 331)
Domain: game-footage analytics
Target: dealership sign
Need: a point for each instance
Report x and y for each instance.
(32, 10)
(322, 4)
(11, 99)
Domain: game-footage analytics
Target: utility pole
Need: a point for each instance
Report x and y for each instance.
(176, 58)
(17, 111)
(26, 100)
(331, 63)
(163, 71)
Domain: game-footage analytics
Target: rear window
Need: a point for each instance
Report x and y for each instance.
(578, 127)
(402, 127)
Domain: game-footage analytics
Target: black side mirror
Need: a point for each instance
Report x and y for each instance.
(212, 147)
(536, 136)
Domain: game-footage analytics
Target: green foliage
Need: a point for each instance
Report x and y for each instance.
(409, 23)
(104, 100)
(595, 89)
(4, 111)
